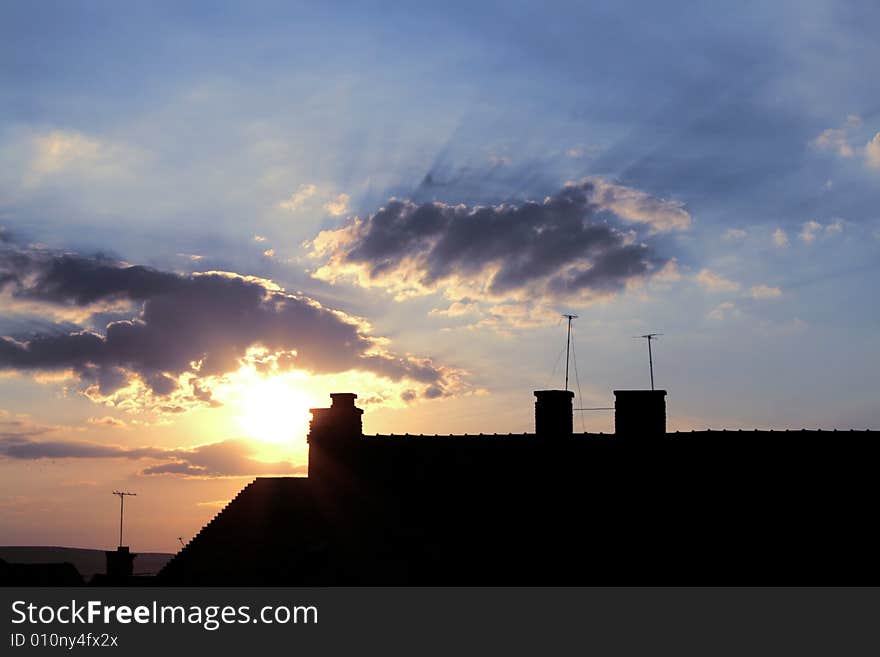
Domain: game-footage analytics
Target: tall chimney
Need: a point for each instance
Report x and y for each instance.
(553, 410)
(334, 434)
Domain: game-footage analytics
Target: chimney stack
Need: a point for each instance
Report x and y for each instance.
(640, 413)
(334, 434)
(553, 411)
(120, 563)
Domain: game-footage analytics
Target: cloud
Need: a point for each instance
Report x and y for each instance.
(73, 155)
(715, 282)
(872, 152)
(809, 230)
(723, 310)
(780, 238)
(837, 140)
(588, 150)
(636, 206)
(107, 421)
(765, 292)
(227, 458)
(835, 227)
(21, 427)
(834, 139)
(457, 309)
(841, 141)
(298, 198)
(59, 149)
(812, 229)
(566, 247)
(733, 234)
(338, 206)
(185, 329)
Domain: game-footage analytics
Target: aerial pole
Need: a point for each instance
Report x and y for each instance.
(649, 337)
(122, 494)
(568, 346)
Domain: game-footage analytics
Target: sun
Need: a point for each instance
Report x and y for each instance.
(274, 409)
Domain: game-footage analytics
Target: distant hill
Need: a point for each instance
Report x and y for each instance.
(87, 562)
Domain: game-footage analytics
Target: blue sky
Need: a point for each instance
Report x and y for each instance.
(729, 154)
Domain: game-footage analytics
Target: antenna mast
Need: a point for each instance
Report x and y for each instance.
(649, 337)
(568, 346)
(122, 494)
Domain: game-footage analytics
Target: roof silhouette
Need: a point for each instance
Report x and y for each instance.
(637, 506)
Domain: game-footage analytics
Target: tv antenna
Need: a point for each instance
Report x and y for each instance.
(568, 345)
(122, 495)
(649, 337)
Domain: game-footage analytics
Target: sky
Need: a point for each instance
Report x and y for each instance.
(215, 214)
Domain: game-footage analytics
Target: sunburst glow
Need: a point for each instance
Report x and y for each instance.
(275, 409)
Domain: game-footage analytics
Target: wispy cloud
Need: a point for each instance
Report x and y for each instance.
(107, 421)
(780, 238)
(765, 292)
(723, 311)
(837, 140)
(299, 197)
(812, 229)
(872, 152)
(809, 230)
(843, 142)
(227, 458)
(734, 234)
(46, 156)
(715, 282)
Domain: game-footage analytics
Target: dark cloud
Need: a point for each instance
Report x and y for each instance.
(25, 448)
(198, 324)
(573, 243)
(76, 280)
(227, 458)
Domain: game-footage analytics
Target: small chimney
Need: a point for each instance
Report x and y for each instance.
(120, 563)
(553, 410)
(640, 413)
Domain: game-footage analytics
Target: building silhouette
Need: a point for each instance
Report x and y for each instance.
(640, 506)
(61, 573)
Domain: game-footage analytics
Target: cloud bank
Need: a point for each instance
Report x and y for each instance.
(182, 330)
